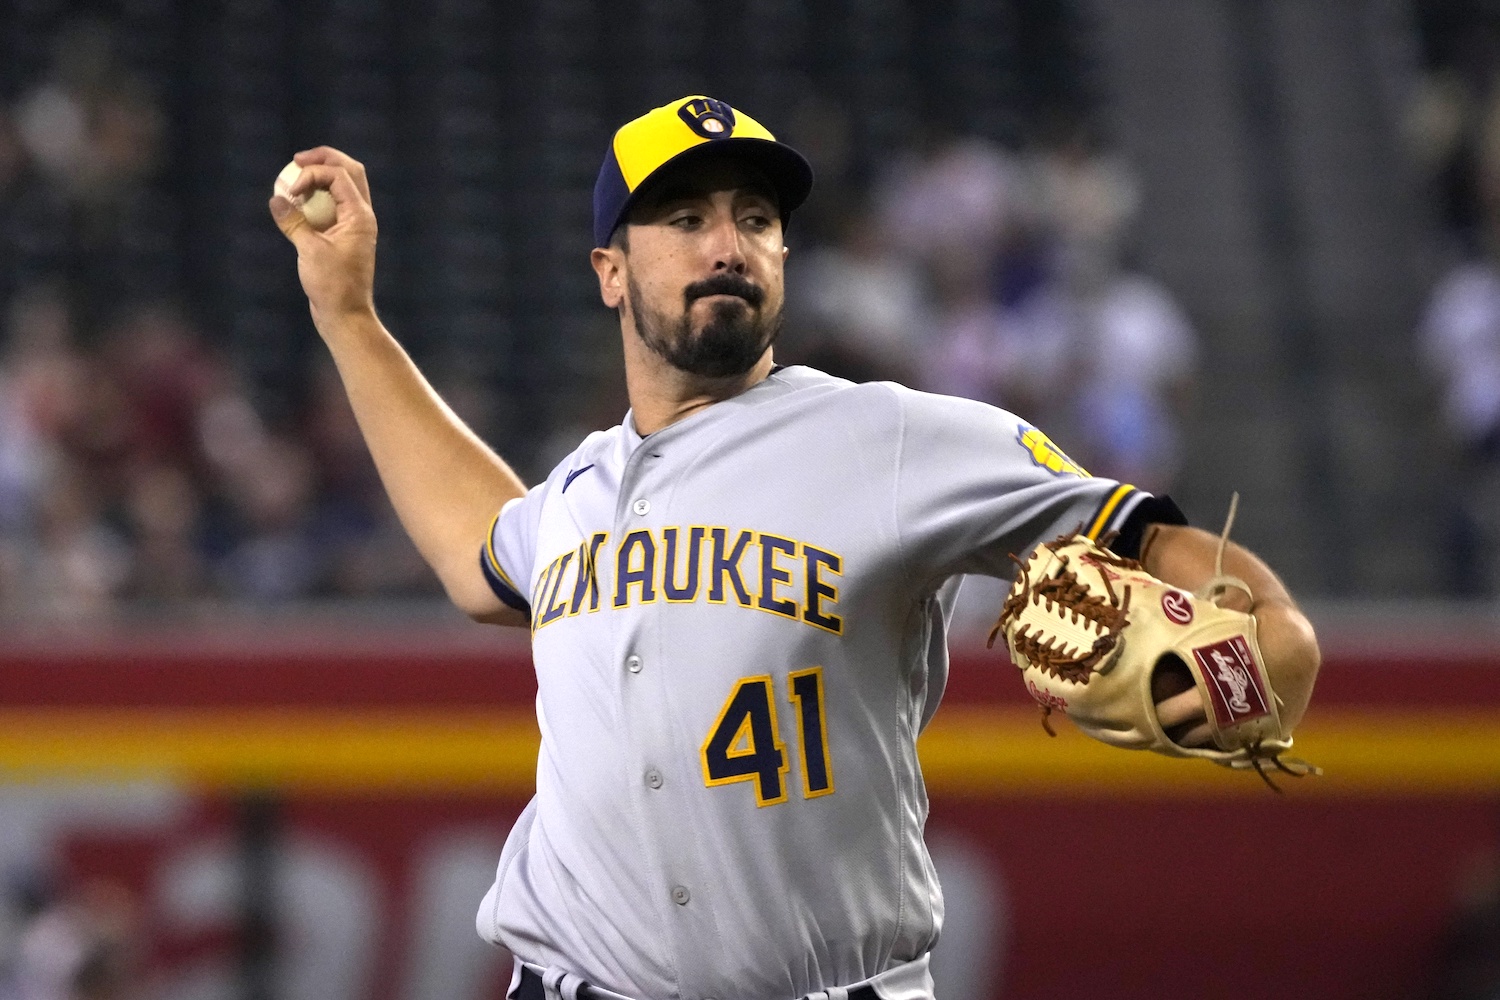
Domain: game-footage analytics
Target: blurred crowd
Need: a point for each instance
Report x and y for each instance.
(79, 149)
(135, 470)
(1454, 131)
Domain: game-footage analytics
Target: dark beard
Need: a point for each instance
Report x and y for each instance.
(731, 342)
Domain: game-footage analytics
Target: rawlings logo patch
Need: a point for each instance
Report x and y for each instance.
(1233, 683)
(1177, 606)
(1046, 454)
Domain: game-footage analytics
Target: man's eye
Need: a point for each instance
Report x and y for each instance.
(685, 221)
(757, 222)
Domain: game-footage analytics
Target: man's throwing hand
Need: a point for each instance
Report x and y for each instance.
(337, 265)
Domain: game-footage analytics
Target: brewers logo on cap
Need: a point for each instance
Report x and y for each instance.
(671, 134)
(709, 118)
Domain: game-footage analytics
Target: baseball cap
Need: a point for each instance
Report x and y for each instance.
(677, 132)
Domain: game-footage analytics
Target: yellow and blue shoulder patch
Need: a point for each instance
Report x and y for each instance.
(1046, 454)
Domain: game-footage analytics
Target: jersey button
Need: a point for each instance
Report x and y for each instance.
(680, 895)
(641, 506)
(653, 778)
(633, 664)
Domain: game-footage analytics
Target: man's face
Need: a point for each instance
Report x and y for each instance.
(703, 269)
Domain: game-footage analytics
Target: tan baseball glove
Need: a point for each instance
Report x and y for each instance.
(1088, 629)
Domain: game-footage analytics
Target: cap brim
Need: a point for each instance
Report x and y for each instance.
(787, 170)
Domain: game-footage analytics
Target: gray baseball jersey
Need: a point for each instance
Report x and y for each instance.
(738, 633)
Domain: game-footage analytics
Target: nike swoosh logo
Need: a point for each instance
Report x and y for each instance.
(574, 475)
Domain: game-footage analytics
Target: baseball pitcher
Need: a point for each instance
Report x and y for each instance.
(737, 598)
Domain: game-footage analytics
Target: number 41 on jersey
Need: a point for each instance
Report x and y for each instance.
(745, 743)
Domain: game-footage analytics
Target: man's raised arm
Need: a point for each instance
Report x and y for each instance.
(445, 483)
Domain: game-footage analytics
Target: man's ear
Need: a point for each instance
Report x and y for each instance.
(609, 265)
(786, 252)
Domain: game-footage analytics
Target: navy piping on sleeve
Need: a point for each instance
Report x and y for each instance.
(1147, 511)
(500, 587)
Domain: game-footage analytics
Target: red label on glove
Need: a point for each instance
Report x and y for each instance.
(1177, 606)
(1234, 684)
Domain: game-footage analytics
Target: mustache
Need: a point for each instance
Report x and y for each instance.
(725, 284)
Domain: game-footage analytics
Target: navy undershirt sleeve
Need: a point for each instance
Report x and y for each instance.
(1150, 510)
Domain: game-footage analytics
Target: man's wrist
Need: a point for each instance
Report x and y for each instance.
(345, 321)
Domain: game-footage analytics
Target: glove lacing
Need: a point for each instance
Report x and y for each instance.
(1221, 583)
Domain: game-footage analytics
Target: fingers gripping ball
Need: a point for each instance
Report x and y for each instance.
(1088, 629)
(317, 207)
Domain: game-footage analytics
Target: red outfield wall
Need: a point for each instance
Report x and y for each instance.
(395, 762)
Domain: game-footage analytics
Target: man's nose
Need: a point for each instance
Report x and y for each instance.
(728, 254)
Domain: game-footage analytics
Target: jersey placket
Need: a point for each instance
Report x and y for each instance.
(645, 691)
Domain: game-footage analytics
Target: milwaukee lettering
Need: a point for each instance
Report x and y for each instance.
(752, 569)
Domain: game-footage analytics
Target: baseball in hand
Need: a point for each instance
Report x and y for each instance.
(317, 207)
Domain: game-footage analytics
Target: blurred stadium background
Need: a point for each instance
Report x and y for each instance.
(1209, 245)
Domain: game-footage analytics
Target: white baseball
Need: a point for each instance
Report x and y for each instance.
(317, 208)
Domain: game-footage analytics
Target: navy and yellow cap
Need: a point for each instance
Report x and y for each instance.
(679, 131)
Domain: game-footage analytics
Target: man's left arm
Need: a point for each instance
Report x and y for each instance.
(1184, 557)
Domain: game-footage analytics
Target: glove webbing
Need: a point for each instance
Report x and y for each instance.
(1064, 588)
